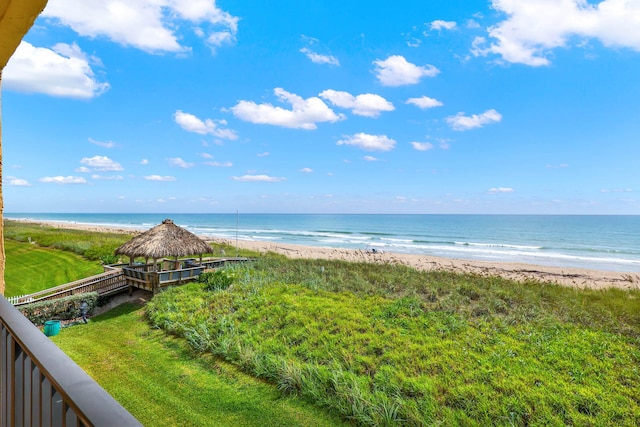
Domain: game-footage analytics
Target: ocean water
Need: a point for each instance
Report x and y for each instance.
(609, 243)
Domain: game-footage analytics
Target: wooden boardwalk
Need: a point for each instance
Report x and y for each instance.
(122, 277)
(107, 283)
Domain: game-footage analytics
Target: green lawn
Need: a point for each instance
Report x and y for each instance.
(31, 268)
(89, 244)
(162, 383)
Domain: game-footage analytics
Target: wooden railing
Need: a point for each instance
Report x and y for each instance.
(114, 279)
(41, 386)
(106, 283)
(145, 276)
(155, 280)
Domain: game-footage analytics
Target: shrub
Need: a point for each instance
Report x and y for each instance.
(109, 259)
(101, 252)
(67, 308)
(218, 280)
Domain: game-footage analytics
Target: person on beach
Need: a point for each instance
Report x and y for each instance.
(84, 309)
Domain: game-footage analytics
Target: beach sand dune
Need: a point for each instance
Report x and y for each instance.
(574, 277)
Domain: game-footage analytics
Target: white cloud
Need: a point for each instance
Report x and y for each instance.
(144, 161)
(370, 159)
(317, 58)
(107, 177)
(368, 104)
(411, 39)
(425, 102)
(305, 113)
(500, 190)
(219, 164)
(206, 156)
(106, 144)
(83, 169)
(533, 28)
(191, 123)
(306, 170)
(64, 180)
(396, 71)
(460, 122)
(160, 178)
(62, 71)
(17, 182)
(220, 38)
(257, 178)
(265, 154)
(369, 142)
(101, 163)
(439, 24)
(150, 25)
(179, 163)
(472, 24)
(422, 146)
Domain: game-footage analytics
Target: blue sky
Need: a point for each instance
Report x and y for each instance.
(453, 106)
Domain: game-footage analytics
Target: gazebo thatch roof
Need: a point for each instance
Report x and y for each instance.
(164, 240)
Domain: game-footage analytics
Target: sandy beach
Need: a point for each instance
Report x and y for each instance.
(574, 277)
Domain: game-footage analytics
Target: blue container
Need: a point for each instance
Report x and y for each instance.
(51, 328)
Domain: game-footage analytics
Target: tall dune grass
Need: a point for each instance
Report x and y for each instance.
(388, 345)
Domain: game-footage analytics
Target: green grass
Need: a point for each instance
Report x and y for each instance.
(162, 382)
(30, 268)
(388, 345)
(92, 245)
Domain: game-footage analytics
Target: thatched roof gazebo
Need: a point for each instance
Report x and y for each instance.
(163, 241)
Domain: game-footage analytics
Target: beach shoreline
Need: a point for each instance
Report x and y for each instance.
(572, 277)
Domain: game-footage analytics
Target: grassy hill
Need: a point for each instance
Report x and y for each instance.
(388, 345)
